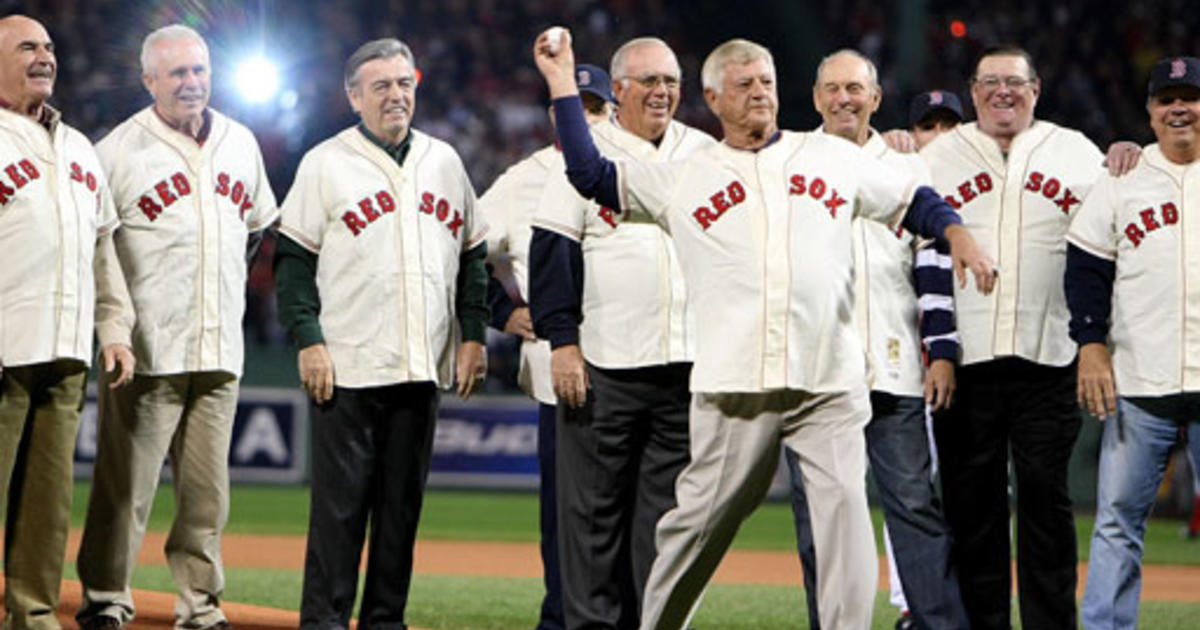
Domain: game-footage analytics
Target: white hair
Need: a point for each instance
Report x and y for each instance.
(739, 51)
(872, 73)
(620, 59)
(169, 32)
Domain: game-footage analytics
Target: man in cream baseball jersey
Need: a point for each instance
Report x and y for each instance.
(60, 280)
(1133, 286)
(508, 207)
(846, 93)
(1016, 181)
(761, 225)
(611, 299)
(193, 197)
(381, 284)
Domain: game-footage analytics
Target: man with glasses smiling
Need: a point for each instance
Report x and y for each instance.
(610, 297)
(1016, 182)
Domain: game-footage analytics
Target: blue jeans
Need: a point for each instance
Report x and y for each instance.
(898, 448)
(1133, 459)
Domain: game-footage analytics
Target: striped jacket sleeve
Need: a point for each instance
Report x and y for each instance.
(934, 280)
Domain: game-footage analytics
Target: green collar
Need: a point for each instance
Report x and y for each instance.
(397, 151)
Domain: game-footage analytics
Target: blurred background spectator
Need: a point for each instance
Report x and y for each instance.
(481, 93)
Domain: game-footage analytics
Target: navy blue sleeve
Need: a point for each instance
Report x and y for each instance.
(555, 287)
(1088, 284)
(500, 302)
(934, 280)
(592, 175)
(929, 215)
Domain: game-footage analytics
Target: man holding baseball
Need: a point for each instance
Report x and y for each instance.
(761, 223)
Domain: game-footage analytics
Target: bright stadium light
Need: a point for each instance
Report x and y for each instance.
(257, 79)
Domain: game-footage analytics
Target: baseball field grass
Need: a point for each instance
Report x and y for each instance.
(453, 602)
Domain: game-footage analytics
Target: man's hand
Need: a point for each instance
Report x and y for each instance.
(1122, 157)
(470, 367)
(1097, 391)
(569, 376)
(118, 355)
(556, 63)
(939, 384)
(966, 254)
(900, 141)
(316, 372)
(520, 323)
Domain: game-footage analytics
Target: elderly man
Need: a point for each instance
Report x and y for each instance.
(193, 198)
(509, 206)
(846, 93)
(610, 297)
(60, 278)
(1016, 182)
(1129, 265)
(381, 283)
(761, 223)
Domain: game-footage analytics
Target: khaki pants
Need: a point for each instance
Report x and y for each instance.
(39, 416)
(188, 417)
(735, 440)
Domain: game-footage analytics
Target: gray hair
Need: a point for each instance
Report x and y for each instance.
(169, 32)
(375, 49)
(872, 73)
(740, 51)
(620, 58)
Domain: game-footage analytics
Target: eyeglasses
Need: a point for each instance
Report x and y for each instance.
(651, 81)
(993, 82)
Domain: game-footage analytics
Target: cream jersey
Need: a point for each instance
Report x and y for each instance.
(1018, 209)
(1142, 221)
(388, 240)
(764, 239)
(508, 208)
(885, 297)
(54, 205)
(634, 303)
(186, 211)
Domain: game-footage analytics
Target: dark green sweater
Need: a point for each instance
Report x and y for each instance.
(300, 302)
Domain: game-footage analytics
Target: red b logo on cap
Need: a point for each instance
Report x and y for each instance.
(1178, 68)
(935, 97)
(585, 77)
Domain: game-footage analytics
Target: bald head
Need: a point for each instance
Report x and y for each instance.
(27, 64)
(846, 93)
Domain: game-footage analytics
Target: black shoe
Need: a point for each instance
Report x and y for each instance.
(220, 625)
(100, 622)
(905, 622)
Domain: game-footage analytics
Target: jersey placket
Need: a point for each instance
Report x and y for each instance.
(209, 337)
(777, 264)
(414, 346)
(1009, 212)
(69, 302)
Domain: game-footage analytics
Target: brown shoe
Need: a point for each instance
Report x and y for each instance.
(101, 622)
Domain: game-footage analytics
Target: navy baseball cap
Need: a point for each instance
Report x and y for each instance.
(927, 102)
(594, 80)
(1175, 71)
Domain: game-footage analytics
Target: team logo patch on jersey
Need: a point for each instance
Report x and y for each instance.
(19, 174)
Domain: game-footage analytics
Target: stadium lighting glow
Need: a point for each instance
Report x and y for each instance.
(257, 79)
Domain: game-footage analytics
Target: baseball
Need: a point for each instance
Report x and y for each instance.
(554, 39)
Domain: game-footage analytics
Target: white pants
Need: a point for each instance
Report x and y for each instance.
(735, 440)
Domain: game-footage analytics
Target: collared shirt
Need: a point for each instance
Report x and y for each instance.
(1017, 207)
(1143, 221)
(186, 212)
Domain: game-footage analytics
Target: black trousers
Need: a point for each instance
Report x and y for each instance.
(551, 616)
(370, 456)
(618, 458)
(1011, 406)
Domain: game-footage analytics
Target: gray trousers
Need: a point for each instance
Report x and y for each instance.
(618, 457)
(735, 442)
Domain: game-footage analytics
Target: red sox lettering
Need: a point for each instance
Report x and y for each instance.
(20, 174)
(1169, 213)
(1037, 182)
(722, 200)
(381, 203)
(171, 189)
(816, 189)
